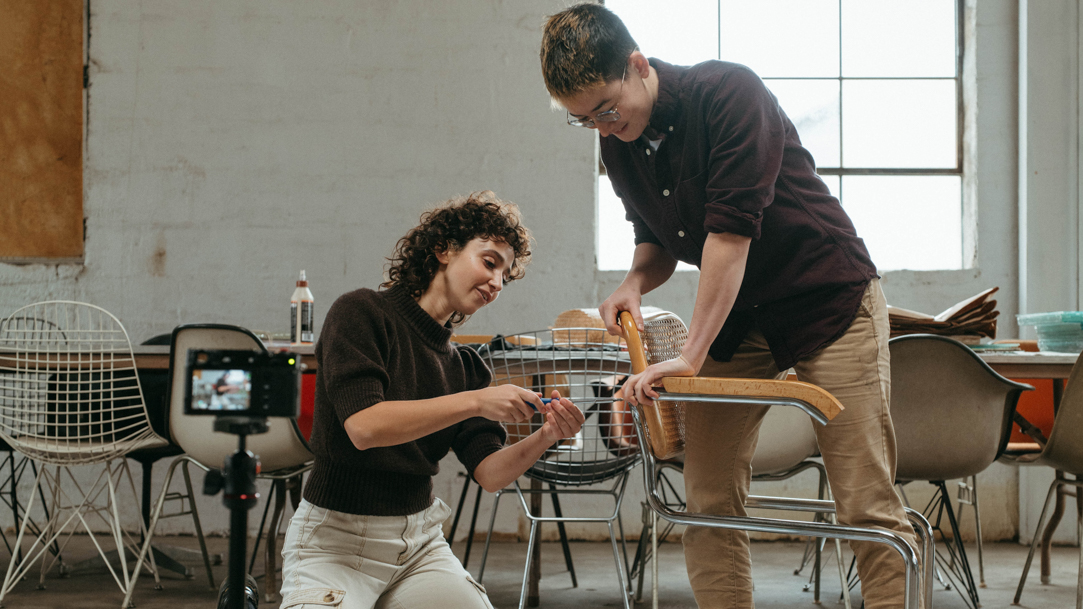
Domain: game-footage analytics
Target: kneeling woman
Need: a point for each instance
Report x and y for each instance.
(393, 396)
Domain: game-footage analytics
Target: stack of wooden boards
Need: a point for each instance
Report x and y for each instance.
(968, 320)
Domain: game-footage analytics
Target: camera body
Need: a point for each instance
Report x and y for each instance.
(243, 383)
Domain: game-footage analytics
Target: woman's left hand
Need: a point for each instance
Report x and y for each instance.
(563, 419)
(639, 388)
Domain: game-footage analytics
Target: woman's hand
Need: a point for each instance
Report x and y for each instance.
(506, 403)
(639, 388)
(563, 419)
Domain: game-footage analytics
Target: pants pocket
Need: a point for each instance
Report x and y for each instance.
(313, 597)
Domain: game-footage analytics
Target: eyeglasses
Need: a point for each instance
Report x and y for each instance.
(608, 116)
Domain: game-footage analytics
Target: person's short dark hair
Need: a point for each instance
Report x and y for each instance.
(582, 47)
(450, 227)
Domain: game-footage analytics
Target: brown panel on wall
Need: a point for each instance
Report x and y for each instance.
(41, 129)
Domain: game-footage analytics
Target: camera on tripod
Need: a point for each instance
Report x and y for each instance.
(243, 383)
(241, 389)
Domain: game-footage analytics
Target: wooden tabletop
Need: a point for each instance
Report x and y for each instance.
(1036, 365)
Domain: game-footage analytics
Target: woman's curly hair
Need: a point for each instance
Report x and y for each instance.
(450, 227)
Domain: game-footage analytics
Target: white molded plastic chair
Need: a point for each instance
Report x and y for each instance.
(1064, 453)
(283, 452)
(952, 415)
(661, 437)
(70, 396)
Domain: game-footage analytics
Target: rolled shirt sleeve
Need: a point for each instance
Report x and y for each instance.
(747, 139)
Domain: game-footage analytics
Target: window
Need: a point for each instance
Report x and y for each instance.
(874, 88)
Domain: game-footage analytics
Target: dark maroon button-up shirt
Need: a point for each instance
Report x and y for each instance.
(731, 161)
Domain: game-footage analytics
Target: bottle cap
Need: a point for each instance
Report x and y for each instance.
(302, 283)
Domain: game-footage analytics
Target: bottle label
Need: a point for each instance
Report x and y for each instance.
(301, 324)
(306, 322)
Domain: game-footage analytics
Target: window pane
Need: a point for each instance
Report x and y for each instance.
(813, 106)
(616, 239)
(785, 38)
(899, 123)
(891, 38)
(832, 184)
(907, 222)
(683, 33)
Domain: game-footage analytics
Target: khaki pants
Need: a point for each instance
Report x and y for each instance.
(858, 448)
(332, 559)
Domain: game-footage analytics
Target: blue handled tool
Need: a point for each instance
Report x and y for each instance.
(544, 401)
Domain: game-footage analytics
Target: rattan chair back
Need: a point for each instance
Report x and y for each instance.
(662, 339)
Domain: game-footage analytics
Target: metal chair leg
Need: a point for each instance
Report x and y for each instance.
(489, 535)
(1034, 542)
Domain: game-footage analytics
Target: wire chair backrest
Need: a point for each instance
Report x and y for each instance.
(281, 448)
(1065, 446)
(584, 366)
(662, 339)
(69, 391)
(952, 413)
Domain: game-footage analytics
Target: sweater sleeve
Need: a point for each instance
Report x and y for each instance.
(747, 137)
(477, 437)
(354, 349)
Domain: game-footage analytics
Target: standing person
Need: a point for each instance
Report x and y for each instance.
(393, 396)
(712, 172)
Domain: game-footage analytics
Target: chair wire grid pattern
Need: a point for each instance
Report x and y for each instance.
(586, 368)
(70, 370)
(70, 395)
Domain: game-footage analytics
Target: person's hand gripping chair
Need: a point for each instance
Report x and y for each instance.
(660, 427)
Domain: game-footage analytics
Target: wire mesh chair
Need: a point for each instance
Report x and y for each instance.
(580, 363)
(660, 427)
(70, 395)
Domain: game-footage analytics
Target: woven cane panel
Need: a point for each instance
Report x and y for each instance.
(664, 335)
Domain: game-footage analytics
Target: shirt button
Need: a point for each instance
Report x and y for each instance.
(665, 193)
(671, 127)
(680, 233)
(648, 152)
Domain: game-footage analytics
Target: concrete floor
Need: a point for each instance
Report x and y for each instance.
(776, 585)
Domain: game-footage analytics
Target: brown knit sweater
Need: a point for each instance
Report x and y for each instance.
(382, 346)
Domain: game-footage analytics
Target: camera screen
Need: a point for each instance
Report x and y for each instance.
(221, 390)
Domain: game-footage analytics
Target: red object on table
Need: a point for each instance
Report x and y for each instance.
(308, 404)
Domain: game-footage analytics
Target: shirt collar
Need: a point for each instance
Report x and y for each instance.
(436, 335)
(667, 107)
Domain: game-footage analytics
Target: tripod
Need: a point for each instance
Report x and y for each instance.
(238, 480)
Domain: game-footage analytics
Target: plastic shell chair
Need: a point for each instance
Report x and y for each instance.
(952, 416)
(1063, 452)
(661, 436)
(283, 451)
(576, 362)
(69, 396)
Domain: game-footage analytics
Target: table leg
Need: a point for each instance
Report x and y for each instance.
(533, 597)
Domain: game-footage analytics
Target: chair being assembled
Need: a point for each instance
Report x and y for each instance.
(578, 362)
(1063, 451)
(785, 447)
(660, 428)
(940, 387)
(283, 452)
(69, 396)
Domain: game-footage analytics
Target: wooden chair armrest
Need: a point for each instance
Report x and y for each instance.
(808, 393)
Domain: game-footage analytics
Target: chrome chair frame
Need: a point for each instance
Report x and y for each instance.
(675, 329)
